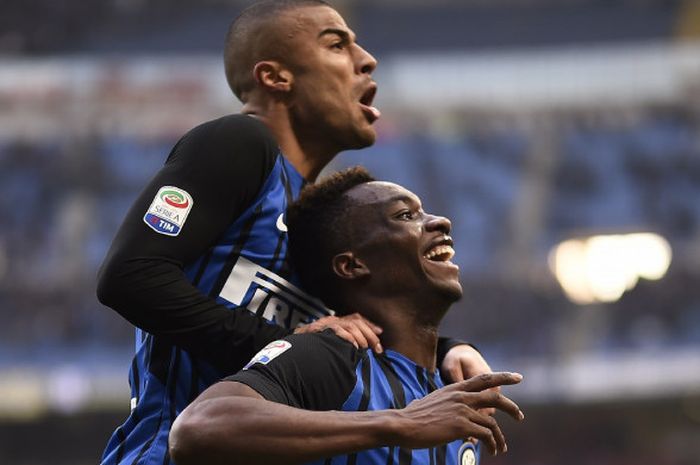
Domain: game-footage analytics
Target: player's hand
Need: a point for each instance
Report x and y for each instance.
(463, 362)
(354, 328)
(453, 413)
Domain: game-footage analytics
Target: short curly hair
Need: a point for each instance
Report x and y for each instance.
(318, 229)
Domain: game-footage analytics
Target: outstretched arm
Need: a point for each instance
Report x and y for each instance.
(232, 424)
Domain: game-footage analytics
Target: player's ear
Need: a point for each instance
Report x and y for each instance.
(273, 76)
(347, 266)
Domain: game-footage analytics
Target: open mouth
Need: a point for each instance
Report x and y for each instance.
(440, 251)
(371, 113)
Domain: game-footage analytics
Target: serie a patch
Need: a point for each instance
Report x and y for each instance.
(271, 351)
(169, 210)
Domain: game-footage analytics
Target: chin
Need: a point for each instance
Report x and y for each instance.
(452, 291)
(362, 139)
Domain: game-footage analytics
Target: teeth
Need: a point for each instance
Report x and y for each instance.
(445, 252)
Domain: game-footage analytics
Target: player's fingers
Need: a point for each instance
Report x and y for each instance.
(371, 336)
(343, 334)
(317, 326)
(498, 440)
(358, 336)
(492, 399)
(369, 331)
(490, 380)
(455, 372)
(485, 435)
(372, 327)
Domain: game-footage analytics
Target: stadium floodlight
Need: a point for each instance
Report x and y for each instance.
(601, 268)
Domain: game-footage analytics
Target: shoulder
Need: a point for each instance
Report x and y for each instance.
(312, 350)
(311, 371)
(235, 136)
(234, 128)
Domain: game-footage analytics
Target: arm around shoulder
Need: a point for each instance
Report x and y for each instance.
(219, 168)
(231, 424)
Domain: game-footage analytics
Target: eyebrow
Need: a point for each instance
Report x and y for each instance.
(345, 35)
(403, 198)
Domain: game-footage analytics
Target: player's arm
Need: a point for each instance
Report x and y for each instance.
(221, 165)
(256, 418)
(459, 360)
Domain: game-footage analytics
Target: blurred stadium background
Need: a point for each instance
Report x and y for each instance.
(527, 122)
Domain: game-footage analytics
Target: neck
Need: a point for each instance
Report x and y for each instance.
(306, 152)
(409, 330)
(418, 343)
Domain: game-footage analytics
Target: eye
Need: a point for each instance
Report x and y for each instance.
(405, 215)
(339, 45)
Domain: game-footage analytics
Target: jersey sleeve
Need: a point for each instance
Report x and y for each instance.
(222, 166)
(307, 371)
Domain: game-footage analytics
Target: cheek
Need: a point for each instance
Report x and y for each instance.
(396, 258)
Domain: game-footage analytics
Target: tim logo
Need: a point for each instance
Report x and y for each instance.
(168, 211)
(261, 291)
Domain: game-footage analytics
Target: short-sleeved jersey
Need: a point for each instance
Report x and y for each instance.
(323, 372)
(245, 269)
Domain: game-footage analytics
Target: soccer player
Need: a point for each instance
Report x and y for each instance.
(359, 244)
(207, 235)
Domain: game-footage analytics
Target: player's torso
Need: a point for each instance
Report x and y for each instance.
(248, 267)
(246, 270)
(392, 381)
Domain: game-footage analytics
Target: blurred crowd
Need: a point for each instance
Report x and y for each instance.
(62, 202)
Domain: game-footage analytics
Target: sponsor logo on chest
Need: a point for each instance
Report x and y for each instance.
(265, 293)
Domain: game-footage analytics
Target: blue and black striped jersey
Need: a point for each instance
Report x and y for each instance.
(214, 215)
(322, 372)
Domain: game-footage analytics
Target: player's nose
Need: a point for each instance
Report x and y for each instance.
(364, 61)
(437, 223)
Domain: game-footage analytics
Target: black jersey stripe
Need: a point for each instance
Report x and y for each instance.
(399, 400)
(440, 455)
(366, 373)
(134, 416)
(392, 378)
(425, 382)
(405, 456)
(136, 381)
(283, 268)
(194, 380)
(441, 451)
(390, 456)
(172, 392)
(203, 266)
(120, 448)
(287, 184)
(156, 365)
(148, 443)
(160, 359)
(236, 251)
(366, 384)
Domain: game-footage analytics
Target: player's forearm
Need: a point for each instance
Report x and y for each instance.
(154, 295)
(242, 430)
